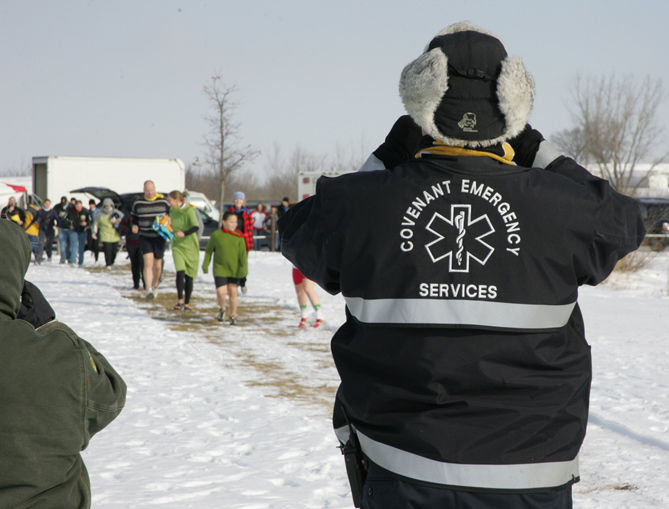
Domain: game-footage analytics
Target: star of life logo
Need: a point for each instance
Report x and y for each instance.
(460, 238)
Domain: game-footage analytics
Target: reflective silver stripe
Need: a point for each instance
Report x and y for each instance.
(546, 154)
(510, 477)
(372, 163)
(342, 434)
(459, 312)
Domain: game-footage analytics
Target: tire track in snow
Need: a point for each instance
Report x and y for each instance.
(625, 431)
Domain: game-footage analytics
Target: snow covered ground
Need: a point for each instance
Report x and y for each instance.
(238, 417)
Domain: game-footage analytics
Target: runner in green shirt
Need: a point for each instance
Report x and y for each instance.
(230, 264)
(185, 247)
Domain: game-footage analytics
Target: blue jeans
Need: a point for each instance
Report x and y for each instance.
(74, 246)
(34, 246)
(64, 241)
(81, 246)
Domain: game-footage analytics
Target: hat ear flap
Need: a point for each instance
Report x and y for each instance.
(423, 83)
(515, 93)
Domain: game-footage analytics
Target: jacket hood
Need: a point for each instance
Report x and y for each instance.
(14, 261)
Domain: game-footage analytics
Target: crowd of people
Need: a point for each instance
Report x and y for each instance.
(258, 224)
(65, 375)
(78, 229)
(75, 227)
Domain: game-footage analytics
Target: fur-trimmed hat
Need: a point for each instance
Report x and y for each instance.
(465, 90)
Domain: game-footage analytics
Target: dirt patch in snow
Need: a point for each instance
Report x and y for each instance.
(296, 365)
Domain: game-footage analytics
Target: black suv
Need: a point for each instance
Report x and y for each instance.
(124, 201)
(655, 213)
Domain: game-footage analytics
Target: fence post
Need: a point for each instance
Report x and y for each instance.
(272, 237)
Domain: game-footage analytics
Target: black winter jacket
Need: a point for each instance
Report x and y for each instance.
(463, 358)
(62, 217)
(80, 221)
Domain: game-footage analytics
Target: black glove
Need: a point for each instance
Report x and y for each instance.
(34, 307)
(526, 146)
(400, 144)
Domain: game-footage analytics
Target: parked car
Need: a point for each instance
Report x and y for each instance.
(656, 219)
(203, 203)
(124, 202)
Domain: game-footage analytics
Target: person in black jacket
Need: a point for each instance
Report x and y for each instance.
(13, 212)
(465, 372)
(64, 229)
(46, 218)
(80, 220)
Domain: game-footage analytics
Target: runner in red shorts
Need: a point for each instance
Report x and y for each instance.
(306, 293)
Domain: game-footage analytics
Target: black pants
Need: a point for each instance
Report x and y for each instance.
(383, 491)
(93, 245)
(184, 286)
(136, 265)
(46, 243)
(48, 236)
(110, 249)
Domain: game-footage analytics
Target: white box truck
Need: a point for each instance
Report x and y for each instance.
(19, 187)
(56, 176)
(306, 181)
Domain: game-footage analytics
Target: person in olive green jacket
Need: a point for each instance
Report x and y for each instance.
(107, 222)
(230, 264)
(56, 392)
(185, 247)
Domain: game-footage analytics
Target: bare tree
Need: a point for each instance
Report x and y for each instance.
(282, 174)
(23, 169)
(351, 156)
(198, 180)
(618, 117)
(571, 142)
(224, 155)
(243, 181)
(207, 182)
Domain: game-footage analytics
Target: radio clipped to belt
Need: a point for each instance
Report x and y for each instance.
(356, 465)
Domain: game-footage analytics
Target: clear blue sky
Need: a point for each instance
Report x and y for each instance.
(125, 77)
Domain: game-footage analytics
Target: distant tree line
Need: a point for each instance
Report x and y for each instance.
(280, 174)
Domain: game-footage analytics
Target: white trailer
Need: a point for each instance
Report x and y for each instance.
(56, 176)
(18, 187)
(306, 182)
